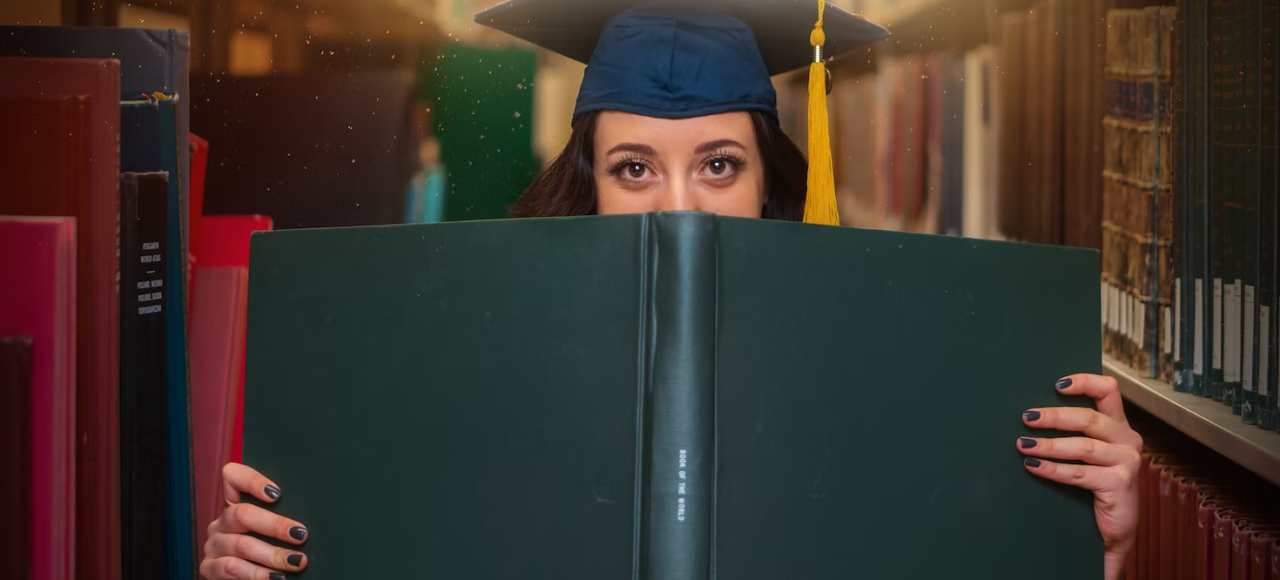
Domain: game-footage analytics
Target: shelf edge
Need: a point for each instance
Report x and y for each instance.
(1204, 420)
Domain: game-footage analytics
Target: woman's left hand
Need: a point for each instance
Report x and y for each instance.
(1112, 450)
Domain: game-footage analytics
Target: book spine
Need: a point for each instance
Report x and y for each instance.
(679, 397)
(179, 489)
(1220, 279)
(1197, 241)
(1234, 202)
(1159, 335)
(1181, 374)
(143, 287)
(1110, 241)
(1202, 244)
(16, 454)
(1246, 400)
(1269, 189)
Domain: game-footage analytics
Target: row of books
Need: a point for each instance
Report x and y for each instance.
(1201, 516)
(123, 311)
(1191, 264)
(1003, 140)
(1137, 181)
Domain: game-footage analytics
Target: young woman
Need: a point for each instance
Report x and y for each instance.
(676, 113)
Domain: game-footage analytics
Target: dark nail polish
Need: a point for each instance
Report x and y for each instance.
(294, 559)
(1032, 415)
(298, 533)
(1062, 384)
(275, 576)
(1026, 443)
(272, 491)
(1031, 462)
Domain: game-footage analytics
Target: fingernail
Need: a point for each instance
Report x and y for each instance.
(272, 491)
(298, 533)
(275, 576)
(1032, 415)
(294, 559)
(1026, 443)
(1062, 384)
(1031, 462)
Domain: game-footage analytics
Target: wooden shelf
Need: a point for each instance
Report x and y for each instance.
(1204, 420)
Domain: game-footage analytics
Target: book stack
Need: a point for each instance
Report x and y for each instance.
(1202, 516)
(99, 296)
(1221, 218)
(1137, 183)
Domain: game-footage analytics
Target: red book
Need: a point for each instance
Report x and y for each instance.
(218, 320)
(38, 299)
(1242, 546)
(1203, 567)
(1260, 554)
(1185, 489)
(60, 162)
(225, 244)
(1142, 547)
(1224, 522)
(1149, 565)
(1275, 560)
(1166, 532)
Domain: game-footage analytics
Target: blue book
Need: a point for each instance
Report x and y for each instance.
(151, 61)
(148, 143)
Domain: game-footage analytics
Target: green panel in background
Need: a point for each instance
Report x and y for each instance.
(482, 109)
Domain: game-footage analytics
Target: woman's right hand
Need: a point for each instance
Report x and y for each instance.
(232, 554)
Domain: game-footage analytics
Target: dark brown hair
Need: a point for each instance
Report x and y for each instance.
(568, 188)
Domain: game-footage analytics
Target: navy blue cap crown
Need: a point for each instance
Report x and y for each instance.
(675, 63)
(680, 58)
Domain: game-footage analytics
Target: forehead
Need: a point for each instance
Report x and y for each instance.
(614, 127)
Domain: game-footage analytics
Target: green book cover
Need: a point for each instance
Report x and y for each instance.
(666, 396)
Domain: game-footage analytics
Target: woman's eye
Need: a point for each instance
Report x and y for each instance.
(636, 170)
(721, 167)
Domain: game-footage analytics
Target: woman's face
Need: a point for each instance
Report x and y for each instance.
(709, 164)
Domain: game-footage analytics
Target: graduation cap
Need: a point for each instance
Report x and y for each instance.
(691, 58)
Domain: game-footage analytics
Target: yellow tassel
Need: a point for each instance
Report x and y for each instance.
(820, 202)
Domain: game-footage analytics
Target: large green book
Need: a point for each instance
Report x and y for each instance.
(666, 396)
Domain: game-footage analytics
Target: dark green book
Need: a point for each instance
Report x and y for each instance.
(1246, 400)
(1200, 112)
(1269, 195)
(1182, 312)
(1221, 277)
(1233, 222)
(666, 396)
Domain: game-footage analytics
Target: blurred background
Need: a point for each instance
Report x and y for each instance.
(344, 112)
(1145, 129)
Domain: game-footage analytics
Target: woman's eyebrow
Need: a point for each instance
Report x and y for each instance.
(637, 148)
(713, 145)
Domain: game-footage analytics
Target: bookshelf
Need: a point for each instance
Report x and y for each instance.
(890, 13)
(1205, 420)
